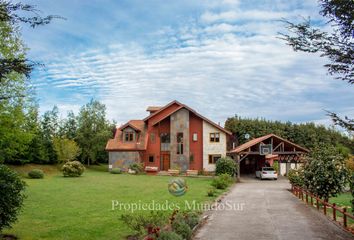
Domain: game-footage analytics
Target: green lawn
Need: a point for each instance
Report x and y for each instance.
(342, 200)
(80, 208)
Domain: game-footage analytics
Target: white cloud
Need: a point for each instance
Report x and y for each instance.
(220, 68)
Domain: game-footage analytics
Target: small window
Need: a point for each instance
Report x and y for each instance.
(179, 143)
(214, 158)
(195, 137)
(165, 137)
(129, 136)
(151, 158)
(214, 137)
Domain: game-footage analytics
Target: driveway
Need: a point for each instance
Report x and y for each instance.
(270, 211)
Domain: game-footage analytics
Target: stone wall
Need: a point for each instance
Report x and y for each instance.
(123, 159)
(180, 124)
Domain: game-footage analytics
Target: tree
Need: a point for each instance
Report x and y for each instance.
(14, 137)
(93, 132)
(9, 15)
(66, 149)
(17, 107)
(68, 128)
(336, 45)
(50, 128)
(304, 134)
(325, 173)
(11, 196)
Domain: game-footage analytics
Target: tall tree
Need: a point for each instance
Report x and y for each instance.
(336, 45)
(68, 127)
(14, 137)
(50, 129)
(93, 132)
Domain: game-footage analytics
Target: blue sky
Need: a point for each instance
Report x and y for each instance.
(219, 57)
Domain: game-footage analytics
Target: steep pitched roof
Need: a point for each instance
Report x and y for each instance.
(194, 112)
(162, 108)
(117, 143)
(137, 125)
(261, 139)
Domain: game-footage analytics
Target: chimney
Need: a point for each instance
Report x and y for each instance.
(153, 109)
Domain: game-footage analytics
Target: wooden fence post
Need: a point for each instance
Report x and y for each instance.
(325, 208)
(334, 212)
(311, 199)
(307, 197)
(317, 204)
(345, 217)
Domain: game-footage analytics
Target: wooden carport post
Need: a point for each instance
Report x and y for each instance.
(238, 167)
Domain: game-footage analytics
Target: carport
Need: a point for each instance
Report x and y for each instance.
(264, 150)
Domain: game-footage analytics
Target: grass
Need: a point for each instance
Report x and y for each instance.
(342, 200)
(81, 208)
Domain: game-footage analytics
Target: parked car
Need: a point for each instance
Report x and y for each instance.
(267, 173)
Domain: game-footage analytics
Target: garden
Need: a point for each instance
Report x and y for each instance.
(82, 207)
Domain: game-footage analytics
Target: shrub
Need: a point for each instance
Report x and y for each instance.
(169, 235)
(325, 173)
(36, 173)
(296, 177)
(182, 228)
(137, 167)
(140, 222)
(192, 219)
(11, 196)
(276, 166)
(226, 165)
(222, 181)
(211, 192)
(73, 169)
(116, 171)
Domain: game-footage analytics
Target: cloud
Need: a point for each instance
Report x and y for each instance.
(220, 63)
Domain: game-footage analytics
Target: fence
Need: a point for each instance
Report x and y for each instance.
(340, 215)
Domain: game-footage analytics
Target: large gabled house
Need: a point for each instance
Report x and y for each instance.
(170, 137)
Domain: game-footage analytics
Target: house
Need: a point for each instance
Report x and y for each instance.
(170, 137)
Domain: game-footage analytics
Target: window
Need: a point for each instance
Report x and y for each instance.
(179, 143)
(214, 137)
(165, 141)
(151, 158)
(129, 136)
(165, 137)
(195, 137)
(214, 158)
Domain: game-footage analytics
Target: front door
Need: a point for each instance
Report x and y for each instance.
(165, 161)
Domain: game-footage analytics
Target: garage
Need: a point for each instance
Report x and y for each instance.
(264, 151)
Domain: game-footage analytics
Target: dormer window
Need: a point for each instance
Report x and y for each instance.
(129, 136)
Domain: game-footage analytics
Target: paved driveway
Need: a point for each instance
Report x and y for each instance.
(270, 211)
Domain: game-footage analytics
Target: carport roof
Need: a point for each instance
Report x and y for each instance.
(261, 139)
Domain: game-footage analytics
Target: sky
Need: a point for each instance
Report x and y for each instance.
(221, 58)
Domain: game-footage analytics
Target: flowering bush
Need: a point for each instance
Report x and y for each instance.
(296, 177)
(325, 173)
(73, 169)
